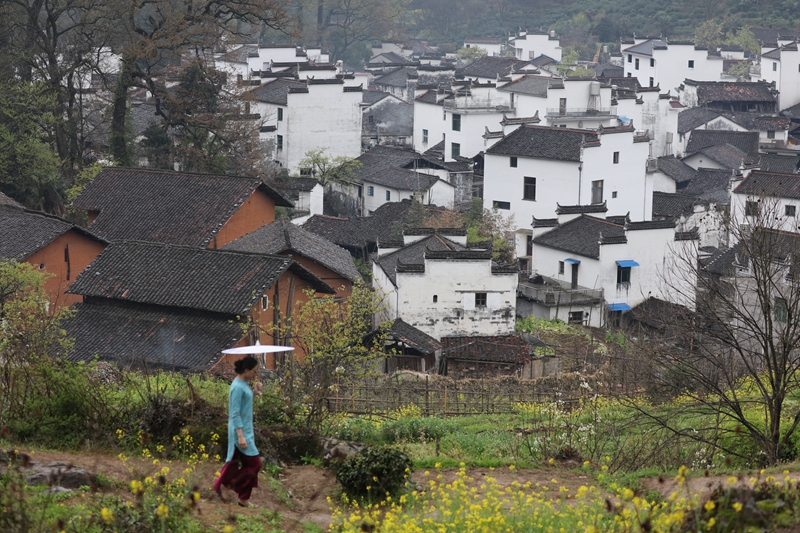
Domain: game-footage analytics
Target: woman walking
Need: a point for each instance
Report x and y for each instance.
(240, 472)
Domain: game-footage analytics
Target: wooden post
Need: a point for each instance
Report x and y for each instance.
(444, 413)
(427, 407)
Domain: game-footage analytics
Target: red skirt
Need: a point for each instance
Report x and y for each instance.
(239, 474)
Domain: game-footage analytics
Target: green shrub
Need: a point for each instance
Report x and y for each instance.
(374, 473)
(354, 429)
(417, 429)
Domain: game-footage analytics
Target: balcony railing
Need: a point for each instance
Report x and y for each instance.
(580, 112)
(557, 293)
(478, 105)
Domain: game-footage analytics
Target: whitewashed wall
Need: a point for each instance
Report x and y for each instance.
(455, 283)
(324, 118)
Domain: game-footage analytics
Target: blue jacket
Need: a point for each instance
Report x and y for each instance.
(240, 415)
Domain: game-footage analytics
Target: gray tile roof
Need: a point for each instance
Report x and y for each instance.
(694, 117)
(283, 236)
(542, 142)
(746, 141)
(414, 254)
(710, 184)
(581, 236)
(276, 91)
(492, 67)
(302, 184)
(760, 183)
(239, 55)
(532, 85)
(732, 91)
(782, 164)
(396, 78)
(23, 232)
(422, 342)
(726, 155)
(515, 348)
(184, 277)
(165, 206)
(676, 169)
(359, 233)
(669, 205)
(646, 47)
(402, 179)
(371, 97)
(8, 201)
(162, 338)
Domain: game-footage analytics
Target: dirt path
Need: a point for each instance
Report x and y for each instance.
(299, 493)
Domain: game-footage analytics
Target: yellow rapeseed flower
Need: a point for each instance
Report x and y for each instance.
(107, 514)
(709, 506)
(737, 507)
(162, 512)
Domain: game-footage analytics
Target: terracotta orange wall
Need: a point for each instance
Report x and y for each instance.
(265, 318)
(342, 286)
(256, 211)
(82, 251)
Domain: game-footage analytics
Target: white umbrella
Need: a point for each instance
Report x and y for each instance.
(258, 348)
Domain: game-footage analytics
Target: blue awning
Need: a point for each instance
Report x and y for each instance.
(572, 261)
(628, 263)
(619, 307)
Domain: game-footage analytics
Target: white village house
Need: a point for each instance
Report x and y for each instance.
(579, 254)
(657, 62)
(312, 114)
(438, 285)
(534, 168)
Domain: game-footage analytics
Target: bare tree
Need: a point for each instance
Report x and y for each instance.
(736, 356)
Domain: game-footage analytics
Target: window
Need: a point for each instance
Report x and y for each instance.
(597, 192)
(562, 106)
(751, 209)
(370, 190)
(513, 161)
(770, 134)
(781, 310)
(480, 299)
(652, 62)
(561, 267)
(774, 66)
(456, 149)
(623, 277)
(280, 113)
(435, 298)
(691, 63)
(616, 158)
(529, 190)
(280, 142)
(501, 205)
(614, 194)
(370, 119)
(529, 245)
(456, 122)
(388, 195)
(630, 58)
(790, 210)
(576, 317)
(424, 136)
(636, 64)
(264, 303)
(652, 82)
(629, 74)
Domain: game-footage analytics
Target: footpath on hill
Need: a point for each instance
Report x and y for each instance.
(297, 497)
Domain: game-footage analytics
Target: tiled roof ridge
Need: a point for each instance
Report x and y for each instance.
(197, 249)
(166, 171)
